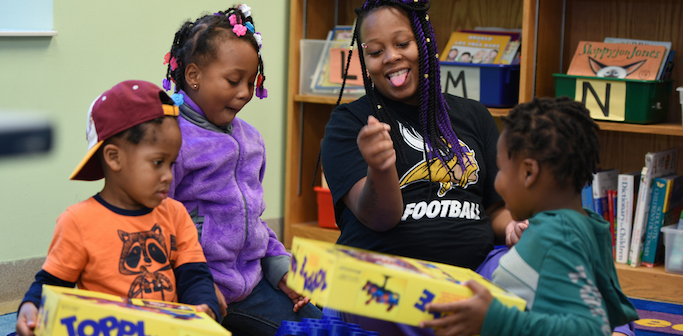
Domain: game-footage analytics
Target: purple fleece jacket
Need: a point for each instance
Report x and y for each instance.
(218, 176)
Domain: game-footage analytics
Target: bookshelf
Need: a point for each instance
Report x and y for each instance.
(551, 31)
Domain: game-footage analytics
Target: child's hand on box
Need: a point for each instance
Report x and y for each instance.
(221, 301)
(463, 317)
(513, 232)
(27, 319)
(204, 308)
(299, 301)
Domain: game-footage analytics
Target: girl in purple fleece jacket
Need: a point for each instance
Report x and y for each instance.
(214, 63)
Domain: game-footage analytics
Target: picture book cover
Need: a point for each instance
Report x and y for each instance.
(665, 208)
(666, 44)
(617, 60)
(474, 48)
(329, 70)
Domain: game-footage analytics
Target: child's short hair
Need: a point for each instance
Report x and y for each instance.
(560, 134)
(124, 106)
(195, 42)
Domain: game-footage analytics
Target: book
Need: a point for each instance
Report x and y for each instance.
(587, 197)
(617, 60)
(666, 44)
(474, 48)
(380, 285)
(665, 209)
(657, 164)
(511, 50)
(603, 181)
(669, 66)
(328, 75)
(627, 191)
(611, 196)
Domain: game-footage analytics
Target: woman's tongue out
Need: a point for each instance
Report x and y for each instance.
(398, 78)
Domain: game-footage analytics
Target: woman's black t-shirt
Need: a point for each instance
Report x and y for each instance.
(443, 218)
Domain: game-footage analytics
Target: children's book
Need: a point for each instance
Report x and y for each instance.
(603, 181)
(667, 193)
(328, 75)
(474, 48)
(611, 196)
(617, 60)
(666, 44)
(627, 194)
(587, 197)
(657, 164)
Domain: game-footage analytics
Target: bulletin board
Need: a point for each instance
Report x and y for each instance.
(26, 18)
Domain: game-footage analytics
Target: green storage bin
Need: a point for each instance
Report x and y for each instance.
(620, 100)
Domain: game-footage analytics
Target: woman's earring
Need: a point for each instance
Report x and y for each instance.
(194, 86)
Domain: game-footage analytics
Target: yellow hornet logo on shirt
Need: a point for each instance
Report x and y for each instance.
(448, 179)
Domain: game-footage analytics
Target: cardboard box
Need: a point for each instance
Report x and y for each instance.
(70, 312)
(621, 100)
(379, 285)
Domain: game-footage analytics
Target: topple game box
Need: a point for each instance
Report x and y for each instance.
(70, 312)
(379, 285)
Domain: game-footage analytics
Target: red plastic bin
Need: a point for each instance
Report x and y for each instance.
(325, 208)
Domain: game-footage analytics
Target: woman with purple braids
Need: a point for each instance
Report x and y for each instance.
(412, 170)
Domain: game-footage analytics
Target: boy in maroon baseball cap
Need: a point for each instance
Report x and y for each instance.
(130, 239)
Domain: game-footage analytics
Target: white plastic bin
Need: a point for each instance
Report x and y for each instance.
(673, 249)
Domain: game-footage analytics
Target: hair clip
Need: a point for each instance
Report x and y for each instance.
(166, 84)
(259, 40)
(178, 99)
(250, 27)
(219, 14)
(167, 58)
(246, 10)
(174, 63)
(261, 91)
(239, 30)
(233, 19)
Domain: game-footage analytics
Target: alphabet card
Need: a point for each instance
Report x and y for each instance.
(70, 312)
(380, 285)
(617, 60)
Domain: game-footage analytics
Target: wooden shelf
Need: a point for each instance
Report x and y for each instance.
(313, 231)
(322, 99)
(650, 283)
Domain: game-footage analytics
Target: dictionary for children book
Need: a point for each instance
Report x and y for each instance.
(379, 285)
(657, 164)
(617, 60)
(627, 194)
(665, 209)
(70, 312)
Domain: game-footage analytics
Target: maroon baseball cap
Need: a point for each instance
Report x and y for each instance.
(127, 104)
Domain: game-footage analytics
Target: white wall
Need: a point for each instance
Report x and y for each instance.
(101, 43)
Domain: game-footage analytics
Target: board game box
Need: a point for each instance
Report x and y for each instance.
(379, 285)
(70, 312)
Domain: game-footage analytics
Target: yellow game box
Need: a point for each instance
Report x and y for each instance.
(379, 285)
(70, 312)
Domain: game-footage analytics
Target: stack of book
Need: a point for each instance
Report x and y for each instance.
(637, 205)
(623, 58)
(482, 45)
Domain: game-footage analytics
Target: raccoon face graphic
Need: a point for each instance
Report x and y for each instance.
(142, 251)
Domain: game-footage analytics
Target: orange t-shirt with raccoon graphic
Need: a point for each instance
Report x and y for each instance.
(129, 253)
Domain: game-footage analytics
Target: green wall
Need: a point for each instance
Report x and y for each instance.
(101, 43)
